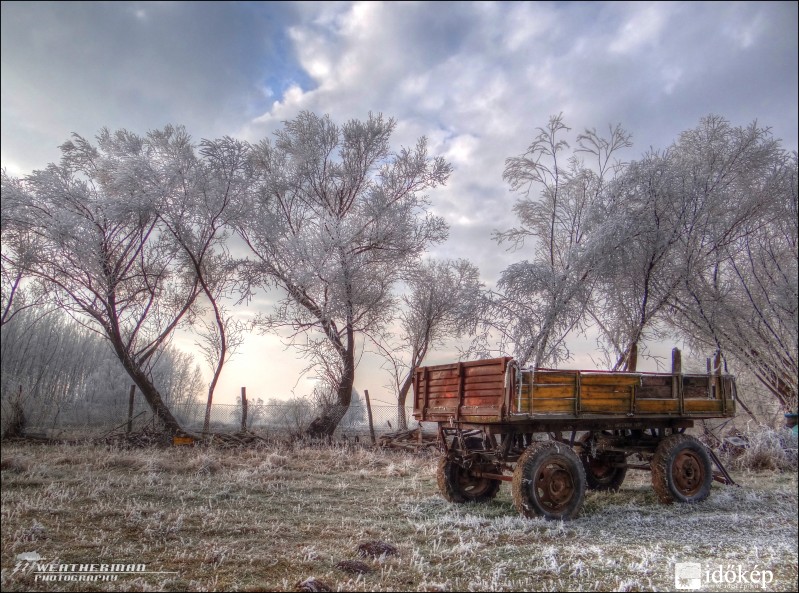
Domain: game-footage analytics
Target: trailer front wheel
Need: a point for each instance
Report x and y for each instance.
(681, 470)
(549, 481)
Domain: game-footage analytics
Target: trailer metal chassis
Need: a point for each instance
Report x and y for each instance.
(550, 464)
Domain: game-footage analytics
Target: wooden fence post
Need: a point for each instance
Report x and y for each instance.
(243, 409)
(130, 408)
(369, 415)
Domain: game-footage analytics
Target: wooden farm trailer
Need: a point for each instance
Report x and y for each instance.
(554, 433)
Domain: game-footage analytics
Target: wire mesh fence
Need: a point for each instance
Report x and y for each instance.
(78, 419)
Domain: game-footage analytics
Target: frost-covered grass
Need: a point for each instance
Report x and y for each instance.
(267, 519)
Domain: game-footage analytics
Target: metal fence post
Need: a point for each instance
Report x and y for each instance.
(369, 415)
(243, 409)
(130, 408)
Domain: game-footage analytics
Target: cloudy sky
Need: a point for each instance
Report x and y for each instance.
(476, 78)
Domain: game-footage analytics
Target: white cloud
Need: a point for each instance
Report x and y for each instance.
(643, 27)
(462, 149)
(671, 76)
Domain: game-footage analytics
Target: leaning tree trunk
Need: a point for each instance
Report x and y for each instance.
(148, 390)
(330, 416)
(153, 397)
(402, 396)
(631, 364)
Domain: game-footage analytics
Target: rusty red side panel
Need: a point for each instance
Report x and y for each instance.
(471, 391)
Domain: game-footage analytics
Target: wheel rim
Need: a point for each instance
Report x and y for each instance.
(688, 472)
(553, 486)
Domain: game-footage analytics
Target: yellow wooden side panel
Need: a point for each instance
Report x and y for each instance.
(702, 405)
(605, 406)
(553, 392)
(606, 397)
(558, 405)
(588, 392)
(657, 406)
(613, 379)
(555, 377)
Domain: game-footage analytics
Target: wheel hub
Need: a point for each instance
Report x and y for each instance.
(688, 472)
(554, 486)
(472, 484)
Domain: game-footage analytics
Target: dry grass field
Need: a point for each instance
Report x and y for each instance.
(260, 520)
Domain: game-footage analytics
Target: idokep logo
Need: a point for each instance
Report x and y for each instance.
(692, 576)
(688, 576)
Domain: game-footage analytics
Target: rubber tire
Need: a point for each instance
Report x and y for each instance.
(456, 485)
(681, 470)
(610, 482)
(529, 501)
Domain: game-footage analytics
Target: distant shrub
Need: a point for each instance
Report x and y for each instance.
(768, 449)
(13, 418)
(15, 463)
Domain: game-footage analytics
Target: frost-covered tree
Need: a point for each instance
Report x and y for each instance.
(179, 378)
(356, 413)
(638, 228)
(541, 300)
(54, 362)
(334, 220)
(678, 219)
(103, 245)
(441, 301)
(18, 292)
(195, 196)
(50, 358)
(703, 239)
(739, 251)
(293, 415)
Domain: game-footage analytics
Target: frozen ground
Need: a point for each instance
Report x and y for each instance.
(268, 519)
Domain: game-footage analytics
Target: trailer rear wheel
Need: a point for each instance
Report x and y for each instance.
(458, 485)
(681, 470)
(549, 481)
(602, 471)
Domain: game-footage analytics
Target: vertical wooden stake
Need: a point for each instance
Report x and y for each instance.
(676, 379)
(369, 415)
(130, 408)
(676, 361)
(243, 409)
